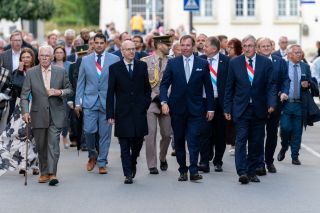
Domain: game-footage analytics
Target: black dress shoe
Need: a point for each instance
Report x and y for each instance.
(243, 179)
(134, 170)
(281, 154)
(254, 179)
(261, 171)
(53, 182)
(154, 171)
(195, 177)
(218, 168)
(271, 168)
(22, 172)
(173, 153)
(163, 165)
(296, 162)
(183, 177)
(128, 180)
(204, 168)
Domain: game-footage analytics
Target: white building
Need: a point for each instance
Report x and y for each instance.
(234, 18)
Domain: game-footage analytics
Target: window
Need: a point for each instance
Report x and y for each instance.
(245, 8)
(206, 9)
(287, 8)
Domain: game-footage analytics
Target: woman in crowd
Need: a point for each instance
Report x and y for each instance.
(13, 139)
(60, 59)
(234, 49)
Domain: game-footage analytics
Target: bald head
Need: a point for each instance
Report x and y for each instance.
(128, 50)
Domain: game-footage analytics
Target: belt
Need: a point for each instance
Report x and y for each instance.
(294, 100)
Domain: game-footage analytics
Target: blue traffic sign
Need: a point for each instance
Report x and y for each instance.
(191, 5)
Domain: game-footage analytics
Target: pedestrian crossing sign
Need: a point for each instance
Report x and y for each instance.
(191, 5)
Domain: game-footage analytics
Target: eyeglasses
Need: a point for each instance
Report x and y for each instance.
(16, 40)
(45, 56)
(248, 46)
(297, 53)
(130, 49)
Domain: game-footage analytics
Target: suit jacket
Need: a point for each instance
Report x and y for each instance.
(239, 90)
(72, 57)
(92, 89)
(132, 97)
(186, 98)
(277, 53)
(222, 75)
(43, 106)
(6, 60)
(280, 74)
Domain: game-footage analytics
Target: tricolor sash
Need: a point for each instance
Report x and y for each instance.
(250, 71)
(99, 69)
(213, 75)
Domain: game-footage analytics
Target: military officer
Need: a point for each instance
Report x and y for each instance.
(156, 66)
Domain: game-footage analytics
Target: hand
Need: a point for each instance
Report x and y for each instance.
(210, 116)
(283, 97)
(70, 104)
(305, 84)
(54, 92)
(165, 109)
(77, 110)
(270, 110)
(227, 116)
(21, 65)
(111, 121)
(26, 117)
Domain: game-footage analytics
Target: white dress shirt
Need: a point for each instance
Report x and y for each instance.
(15, 59)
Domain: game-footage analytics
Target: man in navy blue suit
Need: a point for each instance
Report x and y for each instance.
(249, 97)
(187, 75)
(214, 144)
(280, 76)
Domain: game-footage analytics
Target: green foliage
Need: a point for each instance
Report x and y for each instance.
(76, 12)
(26, 9)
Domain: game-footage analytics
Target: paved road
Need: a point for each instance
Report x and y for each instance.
(294, 189)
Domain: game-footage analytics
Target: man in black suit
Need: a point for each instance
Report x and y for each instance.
(249, 97)
(214, 142)
(187, 75)
(283, 44)
(200, 40)
(280, 76)
(129, 86)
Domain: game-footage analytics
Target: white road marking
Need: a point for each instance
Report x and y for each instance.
(315, 153)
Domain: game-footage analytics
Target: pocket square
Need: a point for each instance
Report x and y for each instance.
(198, 69)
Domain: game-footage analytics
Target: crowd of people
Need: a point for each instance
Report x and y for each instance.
(202, 92)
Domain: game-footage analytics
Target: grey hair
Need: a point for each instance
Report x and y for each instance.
(70, 32)
(263, 39)
(249, 37)
(282, 37)
(176, 43)
(46, 47)
(289, 49)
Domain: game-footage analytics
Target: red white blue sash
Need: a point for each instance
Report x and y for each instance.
(250, 71)
(99, 69)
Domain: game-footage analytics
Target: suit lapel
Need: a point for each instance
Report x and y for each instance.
(40, 79)
(53, 77)
(124, 68)
(105, 65)
(93, 65)
(183, 72)
(245, 71)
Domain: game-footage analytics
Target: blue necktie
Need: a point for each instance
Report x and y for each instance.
(130, 70)
(250, 62)
(296, 85)
(99, 59)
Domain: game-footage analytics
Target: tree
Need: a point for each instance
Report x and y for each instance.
(26, 9)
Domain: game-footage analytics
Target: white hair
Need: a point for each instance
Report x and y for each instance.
(70, 32)
(249, 37)
(46, 47)
(290, 48)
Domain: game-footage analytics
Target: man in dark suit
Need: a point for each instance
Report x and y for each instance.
(140, 53)
(214, 144)
(280, 76)
(292, 112)
(129, 86)
(282, 51)
(250, 95)
(187, 75)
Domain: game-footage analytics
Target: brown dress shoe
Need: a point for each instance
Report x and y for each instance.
(103, 170)
(91, 163)
(43, 178)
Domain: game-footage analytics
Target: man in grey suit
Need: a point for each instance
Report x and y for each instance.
(48, 85)
(91, 95)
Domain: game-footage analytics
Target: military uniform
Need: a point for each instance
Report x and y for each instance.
(156, 67)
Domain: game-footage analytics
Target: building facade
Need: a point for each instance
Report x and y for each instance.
(234, 18)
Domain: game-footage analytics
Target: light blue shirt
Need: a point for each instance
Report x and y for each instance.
(291, 75)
